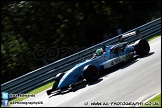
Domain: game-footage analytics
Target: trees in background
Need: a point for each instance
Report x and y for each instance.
(28, 26)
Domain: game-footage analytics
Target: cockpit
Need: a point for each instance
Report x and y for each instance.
(98, 52)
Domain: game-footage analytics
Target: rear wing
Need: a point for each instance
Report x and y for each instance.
(134, 33)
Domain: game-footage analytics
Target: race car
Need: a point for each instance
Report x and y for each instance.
(104, 58)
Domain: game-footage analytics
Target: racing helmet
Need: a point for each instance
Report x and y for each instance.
(99, 51)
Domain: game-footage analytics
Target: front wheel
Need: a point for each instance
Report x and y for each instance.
(91, 73)
(55, 84)
(57, 80)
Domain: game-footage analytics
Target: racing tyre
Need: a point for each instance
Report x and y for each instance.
(142, 47)
(90, 73)
(57, 80)
(55, 85)
(58, 76)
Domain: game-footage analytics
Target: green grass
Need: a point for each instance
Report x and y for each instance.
(154, 102)
(153, 37)
(48, 85)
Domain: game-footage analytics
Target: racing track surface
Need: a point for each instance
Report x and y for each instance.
(134, 82)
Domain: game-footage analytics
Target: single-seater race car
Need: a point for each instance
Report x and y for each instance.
(104, 58)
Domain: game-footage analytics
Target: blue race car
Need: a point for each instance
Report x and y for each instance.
(104, 58)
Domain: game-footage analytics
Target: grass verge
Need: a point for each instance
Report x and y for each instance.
(154, 102)
(153, 37)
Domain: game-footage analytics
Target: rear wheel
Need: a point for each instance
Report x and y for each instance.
(142, 47)
(90, 73)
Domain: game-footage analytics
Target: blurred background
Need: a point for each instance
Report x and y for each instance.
(34, 34)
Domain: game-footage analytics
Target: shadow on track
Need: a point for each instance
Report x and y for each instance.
(149, 54)
(81, 86)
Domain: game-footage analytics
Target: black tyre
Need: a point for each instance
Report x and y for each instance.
(55, 85)
(57, 80)
(90, 73)
(142, 47)
(58, 76)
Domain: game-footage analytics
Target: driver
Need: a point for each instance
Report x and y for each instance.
(98, 52)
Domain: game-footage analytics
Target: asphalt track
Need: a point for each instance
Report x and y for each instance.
(133, 83)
